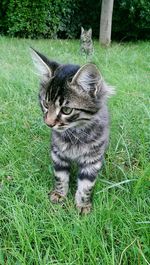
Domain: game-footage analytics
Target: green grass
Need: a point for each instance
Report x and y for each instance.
(32, 230)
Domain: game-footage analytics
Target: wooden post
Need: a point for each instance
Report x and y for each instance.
(106, 22)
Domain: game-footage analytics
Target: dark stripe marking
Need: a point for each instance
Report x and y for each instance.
(58, 167)
(73, 117)
(91, 177)
(87, 111)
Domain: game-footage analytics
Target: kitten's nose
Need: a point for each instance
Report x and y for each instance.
(50, 125)
(49, 121)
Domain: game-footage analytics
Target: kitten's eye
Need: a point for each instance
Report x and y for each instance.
(45, 104)
(66, 110)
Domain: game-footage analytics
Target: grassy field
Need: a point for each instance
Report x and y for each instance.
(32, 230)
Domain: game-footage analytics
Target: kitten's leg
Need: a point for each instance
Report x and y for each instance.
(86, 180)
(61, 173)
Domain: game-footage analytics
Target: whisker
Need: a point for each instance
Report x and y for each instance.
(88, 135)
(69, 135)
(78, 139)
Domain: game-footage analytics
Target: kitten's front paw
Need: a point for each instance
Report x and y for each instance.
(84, 209)
(56, 197)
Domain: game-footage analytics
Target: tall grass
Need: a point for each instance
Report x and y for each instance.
(32, 230)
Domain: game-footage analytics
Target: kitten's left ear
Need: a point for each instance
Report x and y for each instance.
(45, 67)
(82, 30)
(88, 78)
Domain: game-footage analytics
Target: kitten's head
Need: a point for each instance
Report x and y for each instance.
(86, 35)
(70, 95)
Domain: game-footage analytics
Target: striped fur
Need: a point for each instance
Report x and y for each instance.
(74, 103)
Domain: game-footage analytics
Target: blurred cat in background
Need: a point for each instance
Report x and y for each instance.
(86, 43)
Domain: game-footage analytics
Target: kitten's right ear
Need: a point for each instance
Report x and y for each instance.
(45, 67)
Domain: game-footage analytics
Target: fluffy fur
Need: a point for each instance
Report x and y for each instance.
(73, 100)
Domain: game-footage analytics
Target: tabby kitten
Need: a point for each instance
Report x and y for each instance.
(73, 100)
(86, 46)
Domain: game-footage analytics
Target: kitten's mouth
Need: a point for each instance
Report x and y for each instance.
(66, 126)
(58, 127)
